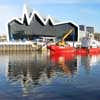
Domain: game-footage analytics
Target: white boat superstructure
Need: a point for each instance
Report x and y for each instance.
(89, 42)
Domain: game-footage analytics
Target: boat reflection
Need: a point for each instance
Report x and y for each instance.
(34, 70)
(89, 61)
(68, 63)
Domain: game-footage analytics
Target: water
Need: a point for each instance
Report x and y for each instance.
(43, 77)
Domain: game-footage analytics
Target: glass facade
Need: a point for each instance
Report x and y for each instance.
(19, 31)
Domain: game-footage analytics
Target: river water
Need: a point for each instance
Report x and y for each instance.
(39, 76)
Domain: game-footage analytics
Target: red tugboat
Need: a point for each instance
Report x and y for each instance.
(88, 46)
(61, 47)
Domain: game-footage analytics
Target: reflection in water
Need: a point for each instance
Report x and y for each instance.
(31, 71)
(68, 63)
(36, 69)
(88, 62)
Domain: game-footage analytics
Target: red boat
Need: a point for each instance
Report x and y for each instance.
(88, 51)
(87, 42)
(71, 50)
(61, 49)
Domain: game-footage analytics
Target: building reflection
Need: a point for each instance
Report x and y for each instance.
(28, 69)
(88, 61)
(33, 70)
(38, 69)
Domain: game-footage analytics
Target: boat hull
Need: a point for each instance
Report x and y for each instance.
(90, 51)
(63, 50)
(71, 50)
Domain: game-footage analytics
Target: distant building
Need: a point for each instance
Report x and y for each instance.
(90, 29)
(3, 38)
(82, 27)
(32, 26)
(97, 36)
(83, 30)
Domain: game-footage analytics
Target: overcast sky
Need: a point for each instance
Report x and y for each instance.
(85, 12)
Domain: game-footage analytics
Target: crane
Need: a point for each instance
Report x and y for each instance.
(62, 41)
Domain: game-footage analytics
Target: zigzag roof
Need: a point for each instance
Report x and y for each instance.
(45, 22)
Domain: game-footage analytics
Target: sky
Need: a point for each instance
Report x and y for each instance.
(86, 12)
